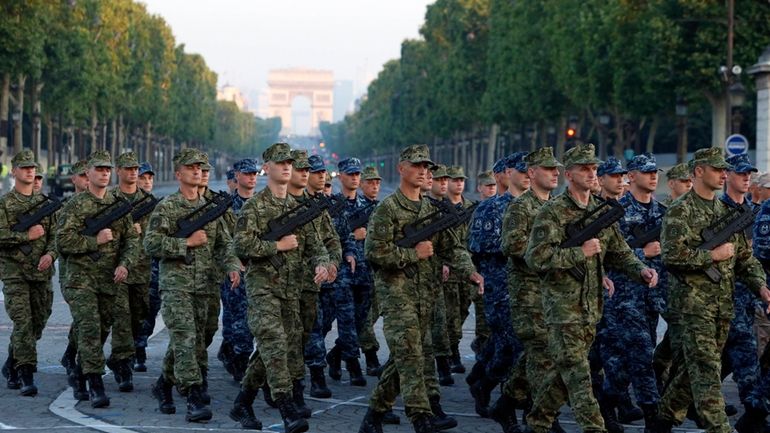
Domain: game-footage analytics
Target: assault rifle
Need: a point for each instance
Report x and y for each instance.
(642, 238)
(144, 206)
(103, 219)
(200, 216)
(360, 218)
(446, 217)
(578, 232)
(294, 219)
(735, 221)
(334, 205)
(33, 216)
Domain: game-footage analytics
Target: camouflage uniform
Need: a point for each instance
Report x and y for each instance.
(153, 305)
(366, 337)
(677, 172)
(90, 291)
(405, 305)
(572, 308)
(186, 289)
(703, 308)
(28, 293)
(440, 342)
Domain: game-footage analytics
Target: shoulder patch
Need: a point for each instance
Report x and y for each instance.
(764, 228)
(539, 234)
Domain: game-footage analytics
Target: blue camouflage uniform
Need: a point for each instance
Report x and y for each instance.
(484, 243)
(236, 334)
(630, 316)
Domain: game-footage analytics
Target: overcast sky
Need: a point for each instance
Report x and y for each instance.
(243, 39)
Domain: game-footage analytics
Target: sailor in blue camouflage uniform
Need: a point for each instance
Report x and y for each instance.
(631, 314)
(484, 242)
(237, 340)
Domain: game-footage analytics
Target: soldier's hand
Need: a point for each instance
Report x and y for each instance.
(764, 294)
(477, 278)
(197, 239)
(321, 274)
(359, 233)
(45, 262)
(723, 252)
(120, 274)
(444, 273)
(652, 249)
(138, 228)
(104, 236)
(332, 269)
(609, 285)
(235, 279)
(424, 249)
(650, 276)
(591, 247)
(352, 262)
(287, 243)
(35, 232)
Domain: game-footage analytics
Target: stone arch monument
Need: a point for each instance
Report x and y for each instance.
(286, 84)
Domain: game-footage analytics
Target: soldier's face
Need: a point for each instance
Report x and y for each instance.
(738, 182)
(545, 178)
(645, 181)
(428, 184)
(37, 185)
(712, 178)
(299, 177)
(456, 186)
(128, 175)
(24, 175)
(279, 171)
(99, 176)
(317, 180)
(582, 177)
(80, 181)
(205, 177)
(414, 174)
(146, 182)
(612, 183)
(371, 188)
(189, 175)
(350, 182)
(679, 187)
(519, 181)
(440, 186)
(246, 180)
(328, 190)
(486, 191)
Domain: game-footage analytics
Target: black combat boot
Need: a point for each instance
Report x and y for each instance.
(650, 411)
(268, 396)
(372, 422)
(318, 388)
(292, 422)
(422, 424)
(440, 420)
(140, 358)
(226, 355)
(607, 408)
(477, 371)
(243, 412)
(162, 390)
(659, 425)
(297, 390)
(68, 359)
(9, 372)
(240, 364)
(334, 359)
(127, 376)
(444, 374)
(731, 410)
(391, 418)
(627, 412)
(481, 392)
(197, 411)
(752, 421)
(455, 361)
(354, 370)
(205, 397)
(26, 373)
(504, 412)
(80, 389)
(373, 367)
(96, 391)
(556, 427)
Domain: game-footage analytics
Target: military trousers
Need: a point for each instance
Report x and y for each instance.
(148, 325)
(439, 326)
(362, 301)
(235, 318)
(92, 316)
(458, 299)
(739, 356)
(185, 315)
(315, 348)
(211, 327)
(533, 335)
(698, 342)
(274, 322)
(569, 380)
(308, 310)
(129, 312)
(28, 304)
(366, 336)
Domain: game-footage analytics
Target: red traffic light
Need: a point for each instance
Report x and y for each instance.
(571, 132)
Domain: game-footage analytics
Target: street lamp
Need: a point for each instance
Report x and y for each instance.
(681, 129)
(737, 98)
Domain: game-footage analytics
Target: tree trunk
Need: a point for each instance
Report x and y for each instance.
(121, 134)
(561, 139)
(5, 95)
(18, 112)
(651, 136)
(169, 171)
(94, 125)
(36, 126)
(494, 131)
(718, 119)
(148, 144)
(114, 140)
(50, 154)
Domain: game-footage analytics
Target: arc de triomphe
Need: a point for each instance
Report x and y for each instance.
(285, 84)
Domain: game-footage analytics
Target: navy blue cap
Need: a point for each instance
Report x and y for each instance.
(350, 166)
(145, 168)
(611, 166)
(246, 165)
(230, 174)
(645, 163)
(499, 166)
(741, 164)
(516, 161)
(316, 163)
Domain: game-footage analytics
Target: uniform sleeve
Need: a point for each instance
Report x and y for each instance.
(380, 246)
(626, 230)
(69, 239)
(314, 248)
(621, 257)
(345, 235)
(330, 238)
(8, 237)
(131, 248)
(675, 251)
(747, 267)
(158, 242)
(50, 233)
(761, 234)
(451, 250)
(224, 249)
(246, 240)
(543, 250)
(515, 234)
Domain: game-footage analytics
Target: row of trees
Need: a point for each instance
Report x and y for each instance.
(80, 75)
(521, 71)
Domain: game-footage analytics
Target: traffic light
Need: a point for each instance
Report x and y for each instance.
(571, 133)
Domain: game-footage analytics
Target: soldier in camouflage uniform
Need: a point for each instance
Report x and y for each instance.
(526, 308)
(146, 182)
(486, 185)
(406, 305)
(237, 341)
(485, 244)
(26, 266)
(186, 281)
(701, 308)
(96, 265)
(572, 308)
(272, 290)
(679, 182)
(37, 185)
(132, 297)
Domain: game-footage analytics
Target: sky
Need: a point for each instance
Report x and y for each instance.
(242, 40)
